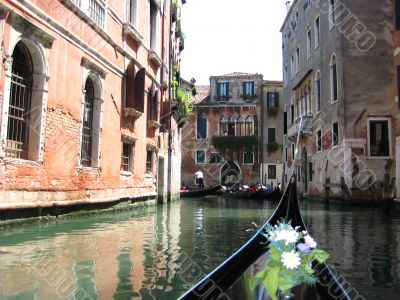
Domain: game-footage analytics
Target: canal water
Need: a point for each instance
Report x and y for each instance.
(158, 252)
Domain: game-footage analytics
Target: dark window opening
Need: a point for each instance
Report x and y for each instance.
(87, 128)
(271, 136)
(273, 100)
(200, 156)
(379, 138)
(310, 170)
(248, 158)
(215, 158)
(271, 172)
(201, 127)
(335, 134)
(126, 157)
(319, 140)
(149, 161)
(285, 125)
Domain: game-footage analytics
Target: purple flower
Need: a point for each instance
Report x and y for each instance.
(309, 241)
(303, 248)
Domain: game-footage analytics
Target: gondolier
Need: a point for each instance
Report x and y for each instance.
(199, 179)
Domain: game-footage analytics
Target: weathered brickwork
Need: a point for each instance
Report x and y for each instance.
(98, 122)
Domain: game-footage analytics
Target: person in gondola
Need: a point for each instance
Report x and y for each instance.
(199, 179)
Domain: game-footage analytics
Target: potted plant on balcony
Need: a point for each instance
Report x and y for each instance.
(272, 147)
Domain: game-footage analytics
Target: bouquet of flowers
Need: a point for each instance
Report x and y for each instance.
(291, 254)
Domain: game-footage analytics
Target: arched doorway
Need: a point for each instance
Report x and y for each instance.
(230, 174)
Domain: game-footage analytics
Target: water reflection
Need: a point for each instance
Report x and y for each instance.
(158, 252)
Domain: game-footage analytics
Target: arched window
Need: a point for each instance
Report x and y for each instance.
(318, 91)
(223, 126)
(249, 124)
(87, 125)
(240, 126)
(334, 81)
(19, 112)
(91, 122)
(231, 126)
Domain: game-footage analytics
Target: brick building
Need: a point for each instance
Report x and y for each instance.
(338, 75)
(223, 137)
(85, 101)
(396, 53)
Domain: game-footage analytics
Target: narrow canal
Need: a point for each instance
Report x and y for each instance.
(158, 252)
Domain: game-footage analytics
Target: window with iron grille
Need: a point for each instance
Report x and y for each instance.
(87, 125)
(126, 157)
(95, 9)
(149, 160)
(20, 103)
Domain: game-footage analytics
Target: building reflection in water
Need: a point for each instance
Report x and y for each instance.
(158, 252)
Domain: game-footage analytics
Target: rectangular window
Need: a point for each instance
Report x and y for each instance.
(317, 32)
(248, 88)
(285, 120)
(215, 158)
(397, 8)
(271, 172)
(222, 89)
(286, 154)
(297, 59)
(248, 158)
(153, 25)
(271, 136)
(201, 127)
(132, 12)
(379, 137)
(292, 113)
(308, 43)
(292, 67)
(310, 170)
(319, 140)
(273, 100)
(334, 83)
(335, 134)
(332, 17)
(293, 154)
(126, 157)
(318, 93)
(200, 157)
(149, 161)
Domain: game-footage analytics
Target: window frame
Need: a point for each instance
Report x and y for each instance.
(197, 157)
(317, 33)
(297, 62)
(197, 128)
(334, 82)
(389, 133)
(318, 91)
(130, 157)
(319, 141)
(309, 43)
(245, 84)
(243, 157)
(271, 130)
(272, 167)
(335, 135)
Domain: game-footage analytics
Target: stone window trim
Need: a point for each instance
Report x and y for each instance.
(252, 158)
(94, 72)
(196, 158)
(389, 124)
(38, 44)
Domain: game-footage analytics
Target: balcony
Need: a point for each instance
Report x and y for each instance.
(307, 127)
(235, 143)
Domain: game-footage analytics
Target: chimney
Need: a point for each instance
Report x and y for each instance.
(288, 4)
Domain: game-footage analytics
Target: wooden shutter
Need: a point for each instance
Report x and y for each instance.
(140, 80)
(130, 85)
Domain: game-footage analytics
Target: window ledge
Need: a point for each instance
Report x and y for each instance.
(130, 30)
(153, 124)
(19, 161)
(89, 169)
(131, 112)
(153, 56)
(126, 173)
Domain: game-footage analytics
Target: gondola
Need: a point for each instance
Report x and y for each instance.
(200, 193)
(231, 279)
(260, 194)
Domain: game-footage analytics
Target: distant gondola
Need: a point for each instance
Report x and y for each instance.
(200, 193)
(231, 279)
(259, 194)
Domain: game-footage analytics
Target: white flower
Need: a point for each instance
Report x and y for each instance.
(289, 236)
(291, 260)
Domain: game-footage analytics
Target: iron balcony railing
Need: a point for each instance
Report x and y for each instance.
(307, 126)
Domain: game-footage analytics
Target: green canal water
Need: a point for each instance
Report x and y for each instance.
(158, 252)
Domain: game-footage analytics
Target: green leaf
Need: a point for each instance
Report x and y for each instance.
(271, 282)
(260, 276)
(319, 255)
